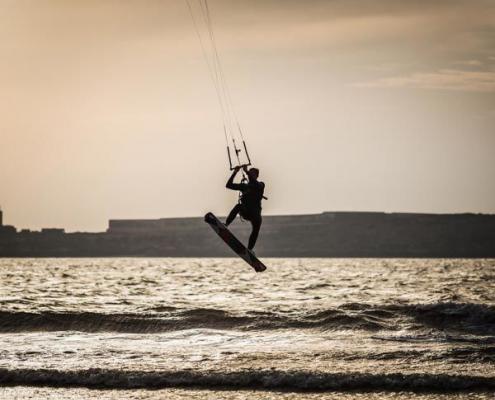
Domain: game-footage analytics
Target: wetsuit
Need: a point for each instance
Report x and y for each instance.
(249, 206)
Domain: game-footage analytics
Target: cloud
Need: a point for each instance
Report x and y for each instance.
(444, 79)
(470, 63)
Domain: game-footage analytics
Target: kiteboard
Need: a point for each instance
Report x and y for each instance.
(234, 243)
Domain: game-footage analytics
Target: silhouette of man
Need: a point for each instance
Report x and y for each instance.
(249, 206)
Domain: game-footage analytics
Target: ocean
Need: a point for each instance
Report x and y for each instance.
(153, 328)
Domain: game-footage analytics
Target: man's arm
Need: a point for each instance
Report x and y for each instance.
(230, 183)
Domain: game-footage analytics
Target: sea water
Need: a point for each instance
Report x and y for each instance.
(213, 328)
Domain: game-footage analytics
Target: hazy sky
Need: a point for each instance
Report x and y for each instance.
(107, 109)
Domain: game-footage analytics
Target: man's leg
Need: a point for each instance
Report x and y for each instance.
(256, 224)
(233, 214)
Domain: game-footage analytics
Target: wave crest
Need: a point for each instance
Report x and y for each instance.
(268, 380)
(453, 317)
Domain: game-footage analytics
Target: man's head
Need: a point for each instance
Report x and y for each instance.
(253, 174)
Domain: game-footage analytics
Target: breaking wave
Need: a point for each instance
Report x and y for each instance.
(461, 318)
(267, 380)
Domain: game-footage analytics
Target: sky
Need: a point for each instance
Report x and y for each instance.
(107, 109)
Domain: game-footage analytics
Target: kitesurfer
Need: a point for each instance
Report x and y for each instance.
(249, 206)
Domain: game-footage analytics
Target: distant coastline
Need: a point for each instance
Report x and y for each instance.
(329, 234)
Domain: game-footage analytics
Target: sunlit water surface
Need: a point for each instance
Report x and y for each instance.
(332, 326)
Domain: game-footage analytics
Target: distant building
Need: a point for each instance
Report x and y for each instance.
(6, 229)
(153, 226)
(53, 231)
